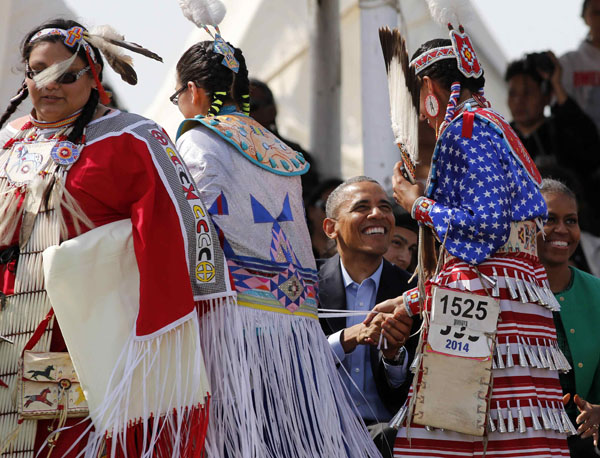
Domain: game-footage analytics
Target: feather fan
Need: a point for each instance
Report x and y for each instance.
(203, 12)
(450, 11)
(53, 72)
(404, 98)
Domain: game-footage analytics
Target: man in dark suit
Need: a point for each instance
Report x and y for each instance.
(360, 220)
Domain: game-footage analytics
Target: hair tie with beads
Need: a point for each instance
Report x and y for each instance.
(246, 104)
(217, 103)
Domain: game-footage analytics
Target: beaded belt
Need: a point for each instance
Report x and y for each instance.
(522, 238)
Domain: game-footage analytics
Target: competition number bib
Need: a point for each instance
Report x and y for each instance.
(460, 322)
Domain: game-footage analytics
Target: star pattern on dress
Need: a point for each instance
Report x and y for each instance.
(477, 188)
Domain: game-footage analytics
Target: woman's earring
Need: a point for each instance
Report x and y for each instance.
(432, 106)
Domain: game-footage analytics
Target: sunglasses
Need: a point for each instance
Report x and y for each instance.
(175, 97)
(65, 78)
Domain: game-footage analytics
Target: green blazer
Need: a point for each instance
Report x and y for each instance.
(580, 314)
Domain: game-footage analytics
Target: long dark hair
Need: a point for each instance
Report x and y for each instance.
(445, 71)
(27, 46)
(202, 65)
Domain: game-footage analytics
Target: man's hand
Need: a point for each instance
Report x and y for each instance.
(555, 79)
(395, 324)
(362, 334)
(404, 192)
(396, 330)
(390, 306)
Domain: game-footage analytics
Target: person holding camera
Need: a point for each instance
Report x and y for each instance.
(567, 140)
(568, 137)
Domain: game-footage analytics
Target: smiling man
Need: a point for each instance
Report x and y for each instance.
(360, 220)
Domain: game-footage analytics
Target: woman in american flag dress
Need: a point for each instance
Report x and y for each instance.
(482, 203)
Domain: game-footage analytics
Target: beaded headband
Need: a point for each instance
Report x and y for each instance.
(107, 40)
(431, 56)
(74, 36)
(462, 50)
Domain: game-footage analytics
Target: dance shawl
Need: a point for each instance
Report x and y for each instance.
(124, 293)
(277, 391)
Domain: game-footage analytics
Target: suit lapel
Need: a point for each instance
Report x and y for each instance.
(332, 294)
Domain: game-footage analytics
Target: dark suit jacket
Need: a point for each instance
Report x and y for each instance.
(332, 295)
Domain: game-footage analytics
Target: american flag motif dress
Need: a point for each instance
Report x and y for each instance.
(482, 185)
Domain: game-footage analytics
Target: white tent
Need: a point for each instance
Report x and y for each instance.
(275, 38)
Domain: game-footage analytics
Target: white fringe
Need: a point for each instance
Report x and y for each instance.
(10, 212)
(275, 389)
(153, 378)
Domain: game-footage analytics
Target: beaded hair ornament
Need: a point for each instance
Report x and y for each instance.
(107, 40)
(447, 12)
(209, 13)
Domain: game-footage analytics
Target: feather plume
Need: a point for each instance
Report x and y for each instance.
(114, 55)
(454, 12)
(203, 12)
(404, 97)
(107, 33)
(53, 72)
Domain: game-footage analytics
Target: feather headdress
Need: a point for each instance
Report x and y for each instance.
(404, 98)
(107, 40)
(111, 45)
(446, 12)
(451, 13)
(203, 12)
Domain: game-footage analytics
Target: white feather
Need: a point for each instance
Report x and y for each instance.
(106, 31)
(404, 116)
(53, 72)
(455, 12)
(203, 12)
(97, 37)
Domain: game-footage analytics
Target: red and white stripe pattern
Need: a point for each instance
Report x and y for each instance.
(516, 385)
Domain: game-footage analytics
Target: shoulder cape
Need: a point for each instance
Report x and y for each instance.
(499, 124)
(253, 141)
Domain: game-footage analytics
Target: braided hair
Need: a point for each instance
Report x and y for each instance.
(14, 103)
(202, 65)
(27, 47)
(446, 71)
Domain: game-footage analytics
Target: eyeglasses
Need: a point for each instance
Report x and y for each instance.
(65, 78)
(175, 97)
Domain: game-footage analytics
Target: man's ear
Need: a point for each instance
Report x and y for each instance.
(330, 228)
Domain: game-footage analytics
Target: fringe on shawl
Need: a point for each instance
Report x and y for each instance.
(157, 400)
(275, 388)
(56, 197)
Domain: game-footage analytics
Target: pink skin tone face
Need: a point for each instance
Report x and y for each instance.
(57, 101)
(562, 230)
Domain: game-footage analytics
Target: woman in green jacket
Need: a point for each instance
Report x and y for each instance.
(578, 321)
